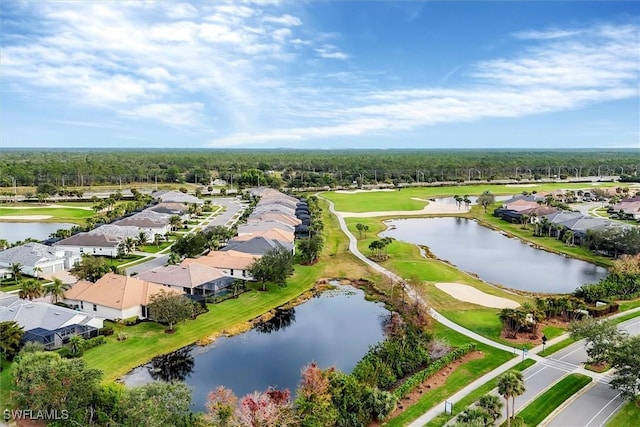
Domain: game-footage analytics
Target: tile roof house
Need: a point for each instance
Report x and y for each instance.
(630, 207)
(119, 231)
(171, 209)
(263, 226)
(272, 233)
(148, 224)
(232, 263)
(114, 296)
(49, 324)
(257, 246)
(91, 244)
(176, 197)
(193, 279)
(273, 216)
(36, 255)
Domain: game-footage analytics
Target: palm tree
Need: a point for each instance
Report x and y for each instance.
(56, 290)
(490, 403)
(16, 270)
(76, 343)
(142, 238)
(510, 385)
(129, 244)
(473, 417)
(176, 222)
(37, 271)
(4, 244)
(30, 289)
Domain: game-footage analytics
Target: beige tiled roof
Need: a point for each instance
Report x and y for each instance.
(273, 234)
(115, 291)
(189, 275)
(227, 259)
(272, 216)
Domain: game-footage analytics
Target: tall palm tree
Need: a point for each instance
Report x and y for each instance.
(175, 222)
(510, 385)
(30, 289)
(56, 290)
(37, 271)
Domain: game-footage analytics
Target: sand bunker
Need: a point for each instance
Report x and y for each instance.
(431, 208)
(470, 294)
(363, 191)
(25, 217)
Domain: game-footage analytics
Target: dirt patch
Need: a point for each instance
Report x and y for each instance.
(430, 384)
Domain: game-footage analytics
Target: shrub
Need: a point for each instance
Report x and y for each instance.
(122, 336)
(94, 342)
(106, 331)
(130, 321)
(413, 381)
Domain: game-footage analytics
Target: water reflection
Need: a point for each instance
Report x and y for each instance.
(176, 366)
(282, 319)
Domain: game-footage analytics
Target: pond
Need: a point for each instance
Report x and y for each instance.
(495, 257)
(334, 329)
(16, 231)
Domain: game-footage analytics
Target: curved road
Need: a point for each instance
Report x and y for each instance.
(599, 400)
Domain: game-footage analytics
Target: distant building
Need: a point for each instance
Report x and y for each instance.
(49, 259)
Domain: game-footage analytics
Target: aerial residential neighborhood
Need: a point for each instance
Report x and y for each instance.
(282, 213)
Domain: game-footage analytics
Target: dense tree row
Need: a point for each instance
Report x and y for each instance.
(301, 168)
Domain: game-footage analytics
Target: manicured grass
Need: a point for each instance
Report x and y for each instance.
(406, 261)
(627, 317)
(5, 383)
(458, 379)
(628, 416)
(549, 350)
(539, 409)
(71, 215)
(552, 331)
(153, 249)
(376, 201)
(628, 305)
(472, 397)
(148, 339)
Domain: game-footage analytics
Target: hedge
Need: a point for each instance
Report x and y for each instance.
(418, 378)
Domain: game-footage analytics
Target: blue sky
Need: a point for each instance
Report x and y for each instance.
(320, 74)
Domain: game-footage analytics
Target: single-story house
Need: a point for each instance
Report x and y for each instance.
(192, 279)
(232, 263)
(263, 226)
(91, 244)
(179, 209)
(270, 216)
(272, 233)
(114, 296)
(630, 207)
(33, 255)
(257, 246)
(151, 226)
(119, 231)
(176, 197)
(50, 324)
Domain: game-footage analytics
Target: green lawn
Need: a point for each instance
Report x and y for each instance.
(628, 416)
(552, 331)
(153, 249)
(5, 383)
(626, 317)
(462, 376)
(535, 412)
(472, 397)
(406, 261)
(376, 201)
(76, 216)
(628, 305)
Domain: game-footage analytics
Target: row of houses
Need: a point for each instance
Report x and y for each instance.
(105, 240)
(271, 225)
(556, 221)
(630, 207)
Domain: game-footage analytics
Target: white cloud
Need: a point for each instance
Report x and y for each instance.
(185, 114)
(331, 52)
(285, 20)
(182, 11)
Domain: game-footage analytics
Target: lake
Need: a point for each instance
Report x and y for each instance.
(15, 231)
(334, 329)
(494, 257)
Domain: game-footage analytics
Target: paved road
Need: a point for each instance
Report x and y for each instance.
(599, 402)
(593, 408)
(234, 207)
